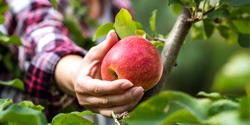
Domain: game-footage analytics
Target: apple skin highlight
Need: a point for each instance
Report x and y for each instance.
(135, 59)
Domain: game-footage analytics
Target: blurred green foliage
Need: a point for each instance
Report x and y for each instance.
(233, 77)
(178, 108)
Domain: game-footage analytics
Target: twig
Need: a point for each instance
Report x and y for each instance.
(118, 117)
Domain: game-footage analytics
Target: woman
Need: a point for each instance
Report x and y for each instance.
(59, 72)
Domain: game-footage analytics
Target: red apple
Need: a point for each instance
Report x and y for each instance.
(133, 58)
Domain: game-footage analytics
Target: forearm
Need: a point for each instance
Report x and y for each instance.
(65, 71)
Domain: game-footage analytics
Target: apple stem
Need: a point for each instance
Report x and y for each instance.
(115, 75)
(171, 49)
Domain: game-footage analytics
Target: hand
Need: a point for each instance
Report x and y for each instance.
(104, 96)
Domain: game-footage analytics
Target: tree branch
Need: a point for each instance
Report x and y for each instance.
(171, 49)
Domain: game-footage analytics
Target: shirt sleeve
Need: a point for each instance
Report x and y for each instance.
(45, 41)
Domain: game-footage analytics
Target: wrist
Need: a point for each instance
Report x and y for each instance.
(65, 72)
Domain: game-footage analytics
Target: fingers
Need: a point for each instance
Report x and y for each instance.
(118, 104)
(99, 51)
(119, 109)
(87, 85)
(115, 99)
(92, 60)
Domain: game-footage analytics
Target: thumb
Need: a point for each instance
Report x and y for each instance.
(101, 49)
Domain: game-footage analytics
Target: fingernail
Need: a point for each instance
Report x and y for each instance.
(110, 32)
(138, 91)
(126, 85)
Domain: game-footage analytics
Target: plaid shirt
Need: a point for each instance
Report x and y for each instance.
(45, 41)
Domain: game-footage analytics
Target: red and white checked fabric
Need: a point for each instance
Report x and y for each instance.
(45, 41)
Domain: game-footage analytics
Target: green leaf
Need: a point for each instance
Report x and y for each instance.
(4, 103)
(16, 83)
(103, 30)
(53, 2)
(224, 31)
(237, 3)
(3, 7)
(218, 14)
(10, 40)
(233, 37)
(124, 25)
(20, 115)
(31, 105)
(244, 40)
(165, 104)
(15, 40)
(2, 19)
(197, 31)
(222, 105)
(208, 28)
(138, 25)
(177, 9)
(213, 95)
(152, 21)
(86, 112)
(71, 119)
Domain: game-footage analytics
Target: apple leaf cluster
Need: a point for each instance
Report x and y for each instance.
(124, 26)
(230, 18)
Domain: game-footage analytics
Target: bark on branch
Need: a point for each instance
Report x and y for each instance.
(171, 49)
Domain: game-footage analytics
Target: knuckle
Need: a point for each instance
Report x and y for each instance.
(129, 97)
(92, 50)
(83, 103)
(105, 101)
(96, 90)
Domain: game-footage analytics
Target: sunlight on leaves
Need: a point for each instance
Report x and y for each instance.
(124, 25)
(4, 103)
(31, 105)
(75, 118)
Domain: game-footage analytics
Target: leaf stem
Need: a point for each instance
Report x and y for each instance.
(203, 8)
